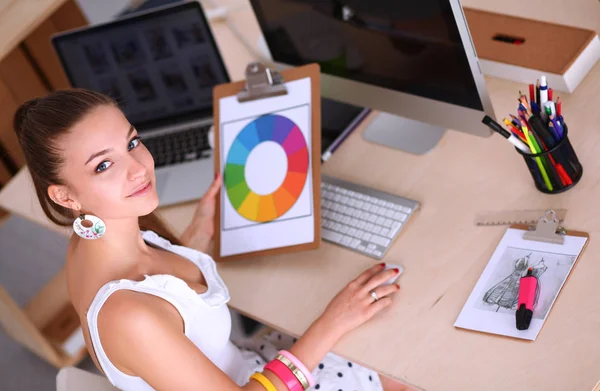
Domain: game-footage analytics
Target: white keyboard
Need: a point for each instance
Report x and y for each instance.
(361, 218)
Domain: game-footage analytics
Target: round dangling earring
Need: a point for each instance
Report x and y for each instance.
(89, 226)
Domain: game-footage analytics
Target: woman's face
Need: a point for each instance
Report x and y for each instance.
(108, 171)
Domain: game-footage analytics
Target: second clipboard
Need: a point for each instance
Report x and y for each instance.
(267, 148)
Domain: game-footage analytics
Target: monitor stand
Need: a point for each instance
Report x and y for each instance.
(402, 133)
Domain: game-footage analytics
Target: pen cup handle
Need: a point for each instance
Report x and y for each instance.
(557, 169)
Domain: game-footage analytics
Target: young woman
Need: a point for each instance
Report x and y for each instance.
(153, 308)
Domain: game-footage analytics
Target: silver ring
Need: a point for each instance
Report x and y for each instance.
(374, 295)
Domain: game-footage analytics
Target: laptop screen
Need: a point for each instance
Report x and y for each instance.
(160, 66)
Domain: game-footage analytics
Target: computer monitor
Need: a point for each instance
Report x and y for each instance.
(412, 60)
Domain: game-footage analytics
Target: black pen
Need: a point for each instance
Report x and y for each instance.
(495, 126)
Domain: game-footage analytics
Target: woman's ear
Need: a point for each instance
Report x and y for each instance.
(61, 195)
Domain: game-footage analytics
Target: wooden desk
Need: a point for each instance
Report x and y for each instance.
(442, 250)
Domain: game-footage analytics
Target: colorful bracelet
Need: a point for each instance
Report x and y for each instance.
(297, 372)
(308, 374)
(264, 381)
(285, 374)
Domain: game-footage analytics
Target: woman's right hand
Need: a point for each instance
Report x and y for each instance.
(354, 305)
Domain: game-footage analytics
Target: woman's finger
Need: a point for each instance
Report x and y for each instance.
(380, 278)
(383, 291)
(369, 273)
(214, 187)
(378, 306)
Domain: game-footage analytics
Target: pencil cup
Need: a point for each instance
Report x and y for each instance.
(555, 170)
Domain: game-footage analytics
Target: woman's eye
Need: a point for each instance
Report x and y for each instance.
(103, 166)
(133, 143)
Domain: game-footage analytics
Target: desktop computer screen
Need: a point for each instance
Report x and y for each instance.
(411, 59)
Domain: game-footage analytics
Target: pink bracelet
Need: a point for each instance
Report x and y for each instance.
(284, 374)
(308, 374)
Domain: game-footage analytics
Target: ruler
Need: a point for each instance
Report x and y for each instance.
(515, 217)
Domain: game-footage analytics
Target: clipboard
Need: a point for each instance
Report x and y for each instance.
(551, 251)
(261, 112)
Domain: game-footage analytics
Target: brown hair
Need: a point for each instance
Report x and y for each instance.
(39, 123)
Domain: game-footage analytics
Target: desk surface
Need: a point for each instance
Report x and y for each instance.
(441, 249)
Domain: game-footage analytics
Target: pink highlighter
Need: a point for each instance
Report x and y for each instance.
(527, 289)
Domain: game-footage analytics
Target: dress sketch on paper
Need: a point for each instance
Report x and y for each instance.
(501, 293)
(506, 293)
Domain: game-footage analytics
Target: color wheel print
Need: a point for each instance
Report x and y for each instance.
(264, 208)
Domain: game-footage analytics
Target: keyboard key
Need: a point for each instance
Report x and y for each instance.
(387, 223)
(344, 229)
(406, 210)
(380, 240)
(371, 246)
(367, 236)
(391, 234)
(377, 253)
(395, 227)
(352, 232)
(359, 233)
(354, 222)
(384, 232)
(400, 216)
(369, 227)
(346, 240)
(376, 229)
(331, 235)
(345, 219)
(354, 243)
(369, 250)
(361, 247)
(380, 220)
(361, 224)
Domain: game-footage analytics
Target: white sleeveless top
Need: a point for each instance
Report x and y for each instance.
(206, 318)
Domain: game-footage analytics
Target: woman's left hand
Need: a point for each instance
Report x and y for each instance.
(202, 228)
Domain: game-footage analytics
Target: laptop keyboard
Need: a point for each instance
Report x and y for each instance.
(184, 146)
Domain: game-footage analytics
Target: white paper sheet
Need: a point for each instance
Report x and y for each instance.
(239, 234)
(492, 304)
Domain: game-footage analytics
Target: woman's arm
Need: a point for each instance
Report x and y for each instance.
(142, 339)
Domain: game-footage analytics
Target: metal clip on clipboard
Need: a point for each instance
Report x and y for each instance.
(547, 230)
(261, 82)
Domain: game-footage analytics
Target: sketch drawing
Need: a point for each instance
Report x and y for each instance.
(501, 293)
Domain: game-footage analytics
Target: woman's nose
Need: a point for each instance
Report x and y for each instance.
(136, 169)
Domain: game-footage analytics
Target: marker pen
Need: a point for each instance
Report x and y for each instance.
(495, 126)
(527, 288)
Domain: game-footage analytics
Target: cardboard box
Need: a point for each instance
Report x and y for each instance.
(522, 49)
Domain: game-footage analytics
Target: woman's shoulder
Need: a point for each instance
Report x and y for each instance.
(84, 272)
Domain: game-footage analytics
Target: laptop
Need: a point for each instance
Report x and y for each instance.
(160, 66)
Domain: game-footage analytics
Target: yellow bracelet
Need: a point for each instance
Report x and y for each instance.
(297, 372)
(264, 381)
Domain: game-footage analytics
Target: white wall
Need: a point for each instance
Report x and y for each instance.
(98, 11)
